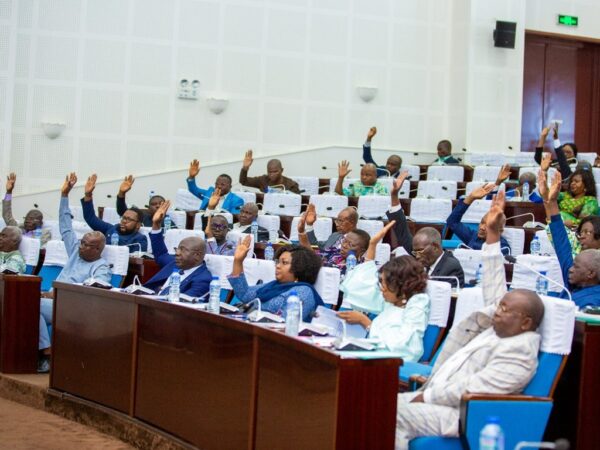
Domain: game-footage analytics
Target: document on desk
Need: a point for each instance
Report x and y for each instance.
(328, 318)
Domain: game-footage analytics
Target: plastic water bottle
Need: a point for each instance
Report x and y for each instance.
(478, 275)
(525, 196)
(254, 230)
(541, 284)
(293, 314)
(350, 261)
(168, 223)
(535, 247)
(269, 252)
(214, 299)
(37, 233)
(114, 238)
(269, 189)
(491, 436)
(174, 283)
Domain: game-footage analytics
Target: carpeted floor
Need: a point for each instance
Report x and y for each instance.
(25, 428)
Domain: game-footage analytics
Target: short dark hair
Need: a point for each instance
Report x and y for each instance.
(224, 175)
(153, 197)
(595, 221)
(588, 181)
(364, 237)
(445, 143)
(138, 212)
(404, 276)
(305, 263)
(572, 145)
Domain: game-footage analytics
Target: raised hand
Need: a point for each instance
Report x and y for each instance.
(495, 219)
(90, 185)
(381, 233)
(344, 169)
(542, 185)
(247, 160)
(242, 248)
(11, 179)
(213, 201)
(555, 130)
(479, 192)
(503, 174)
(372, 132)
(194, 169)
(399, 181)
(70, 181)
(555, 187)
(160, 214)
(126, 185)
(546, 161)
(311, 214)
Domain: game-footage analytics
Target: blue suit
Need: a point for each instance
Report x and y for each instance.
(196, 284)
(232, 202)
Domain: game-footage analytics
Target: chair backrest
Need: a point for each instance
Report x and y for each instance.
(199, 215)
(282, 204)
(437, 189)
(383, 253)
(146, 231)
(110, 215)
(388, 182)
(79, 228)
(329, 205)
(469, 260)
(370, 226)
(237, 235)
(2, 223)
(546, 247)
(175, 235)
(257, 270)
(525, 279)
(446, 173)
(414, 172)
(30, 249)
(53, 226)
(440, 293)
(328, 284)
(535, 170)
(271, 223)
(248, 197)
(486, 173)
(54, 261)
(469, 300)
(76, 212)
(373, 206)
(404, 191)
(308, 185)
(347, 182)
(595, 172)
(220, 266)
(179, 218)
(516, 240)
(598, 188)
(186, 201)
(323, 227)
(118, 258)
(472, 185)
(476, 211)
(426, 210)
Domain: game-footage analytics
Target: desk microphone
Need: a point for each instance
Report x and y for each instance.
(514, 261)
(559, 444)
(525, 215)
(442, 277)
(139, 254)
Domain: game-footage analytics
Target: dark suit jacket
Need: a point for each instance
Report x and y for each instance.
(331, 240)
(401, 230)
(449, 266)
(263, 233)
(195, 285)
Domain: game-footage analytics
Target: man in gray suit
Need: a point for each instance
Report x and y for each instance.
(494, 350)
(345, 222)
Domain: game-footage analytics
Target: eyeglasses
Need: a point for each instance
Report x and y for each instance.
(128, 219)
(218, 226)
(342, 220)
(502, 307)
(583, 233)
(419, 252)
(87, 245)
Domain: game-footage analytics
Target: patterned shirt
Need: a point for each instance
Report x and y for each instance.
(359, 189)
(575, 209)
(12, 261)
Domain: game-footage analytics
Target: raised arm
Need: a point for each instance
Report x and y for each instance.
(343, 171)
(309, 217)
(7, 215)
(193, 172)
(241, 251)
(159, 249)
(65, 222)
(124, 188)
(87, 205)
(493, 283)
(212, 204)
(370, 253)
(454, 219)
(539, 149)
(503, 174)
(367, 157)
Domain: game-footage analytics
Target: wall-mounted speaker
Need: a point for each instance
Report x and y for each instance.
(504, 34)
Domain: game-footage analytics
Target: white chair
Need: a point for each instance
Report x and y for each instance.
(535, 171)
(347, 182)
(80, 228)
(486, 173)
(526, 279)
(179, 218)
(516, 240)
(282, 204)
(248, 197)
(383, 253)
(373, 206)
(546, 247)
(55, 260)
(404, 191)
(469, 300)
(469, 260)
(54, 228)
(308, 185)
(476, 211)
(427, 210)
(110, 215)
(329, 205)
(146, 232)
(370, 226)
(437, 189)
(472, 185)
(30, 249)
(323, 227)
(598, 189)
(236, 236)
(257, 270)
(414, 172)
(589, 157)
(440, 293)
(388, 182)
(3, 223)
(596, 173)
(445, 173)
(220, 266)
(186, 201)
(117, 257)
(175, 235)
(76, 212)
(199, 215)
(271, 223)
(328, 285)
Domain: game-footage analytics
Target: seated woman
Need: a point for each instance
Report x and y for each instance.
(580, 199)
(401, 325)
(296, 269)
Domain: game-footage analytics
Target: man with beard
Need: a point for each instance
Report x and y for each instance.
(127, 229)
(153, 203)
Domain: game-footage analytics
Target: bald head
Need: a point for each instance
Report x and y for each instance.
(33, 219)
(190, 252)
(427, 246)
(585, 270)
(274, 172)
(10, 238)
(91, 246)
(393, 164)
(368, 174)
(519, 311)
(248, 213)
(528, 177)
(430, 235)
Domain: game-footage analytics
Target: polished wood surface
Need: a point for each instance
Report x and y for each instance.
(19, 323)
(214, 381)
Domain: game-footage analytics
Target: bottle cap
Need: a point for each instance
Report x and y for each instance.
(215, 277)
(493, 419)
(352, 252)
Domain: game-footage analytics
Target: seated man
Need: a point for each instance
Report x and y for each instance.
(368, 184)
(127, 230)
(228, 201)
(345, 222)
(493, 351)
(248, 214)
(153, 204)
(444, 151)
(525, 177)
(392, 165)
(189, 259)
(216, 231)
(34, 219)
(273, 179)
(582, 275)
(473, 239)
(427, 249)
(84, 261)
(11, 258)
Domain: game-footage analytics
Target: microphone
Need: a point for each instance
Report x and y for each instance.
(108, 196)
(531, 223)
(443, 277)
(410, 177)
(262, 316)
(513, 260)
(139, 252)
(559, 444)
(463, 245)
(328, 168)
(276, 186)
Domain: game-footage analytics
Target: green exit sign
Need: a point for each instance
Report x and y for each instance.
(570, 21)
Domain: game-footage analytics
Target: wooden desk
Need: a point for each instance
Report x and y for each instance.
(214, 381)
(143, 268)
(19, 323)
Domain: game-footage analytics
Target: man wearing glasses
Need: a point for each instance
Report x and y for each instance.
(127, 229)
(188, 259)
(345, 222)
